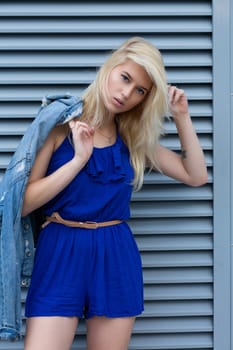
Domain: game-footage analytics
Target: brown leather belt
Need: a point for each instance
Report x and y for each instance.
(87, 224)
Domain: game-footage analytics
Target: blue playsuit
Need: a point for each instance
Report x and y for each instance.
(89, 272)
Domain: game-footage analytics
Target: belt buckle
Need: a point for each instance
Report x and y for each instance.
(92, 223)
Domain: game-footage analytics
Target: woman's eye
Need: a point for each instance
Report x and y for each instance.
(140, 91)
(124, 77)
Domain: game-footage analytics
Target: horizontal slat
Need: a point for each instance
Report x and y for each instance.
(34, 93)
(171, 209)
(95, 59)
(105, 25)
(13, 127)
(19, 110)
(173, 192)
(173, 324)
(172, 142)
(189, 75)
(177, 275)
(201, 108)
(21, 93)
(172, 341)
(174, 242)
(201, 125)
(177, 258)
(47, 77)
(187, 59)
(10, 127)
(86, 76)
(8, 144)
(197, 41)
(178, 308)
(182, 291)
(6, 157)
(4, 160)
(100, 8)
(157, 178)
(168, 226)
(27, 109)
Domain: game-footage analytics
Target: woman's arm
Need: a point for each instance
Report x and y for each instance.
(40, 188)
(189, 167)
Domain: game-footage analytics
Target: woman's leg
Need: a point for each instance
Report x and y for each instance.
(50, 333)
(109, 333)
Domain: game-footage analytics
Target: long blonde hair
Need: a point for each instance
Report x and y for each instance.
(141, 127)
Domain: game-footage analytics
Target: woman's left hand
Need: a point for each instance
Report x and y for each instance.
(178, 103)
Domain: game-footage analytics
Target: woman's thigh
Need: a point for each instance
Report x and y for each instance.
(50, 333)
(109, 333)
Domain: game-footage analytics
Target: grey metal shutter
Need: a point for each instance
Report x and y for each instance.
(49, 47)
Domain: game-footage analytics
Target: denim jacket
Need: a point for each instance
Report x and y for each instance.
(16, 232)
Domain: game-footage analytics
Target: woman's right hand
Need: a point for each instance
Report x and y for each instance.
(83, 140)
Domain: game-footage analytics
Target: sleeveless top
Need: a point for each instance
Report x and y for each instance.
(101, 191)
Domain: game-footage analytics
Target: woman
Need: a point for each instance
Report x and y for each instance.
(87, 263)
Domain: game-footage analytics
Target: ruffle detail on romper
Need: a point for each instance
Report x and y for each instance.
(106, 166)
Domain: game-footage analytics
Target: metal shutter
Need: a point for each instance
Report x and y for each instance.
(50, 47)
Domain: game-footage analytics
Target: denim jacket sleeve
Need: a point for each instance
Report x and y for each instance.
(16, 233)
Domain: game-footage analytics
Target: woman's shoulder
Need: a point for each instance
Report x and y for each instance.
(57, 135)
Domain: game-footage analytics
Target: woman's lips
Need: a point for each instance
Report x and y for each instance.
(118, 102)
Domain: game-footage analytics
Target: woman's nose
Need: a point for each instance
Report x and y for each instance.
(127, 91)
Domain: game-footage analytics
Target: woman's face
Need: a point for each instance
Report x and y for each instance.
(128, 84)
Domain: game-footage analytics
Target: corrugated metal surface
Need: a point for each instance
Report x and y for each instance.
(48, 47)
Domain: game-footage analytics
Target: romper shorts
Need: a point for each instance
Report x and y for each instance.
(86, 272)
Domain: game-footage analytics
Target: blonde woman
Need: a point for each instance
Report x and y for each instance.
(87, 262)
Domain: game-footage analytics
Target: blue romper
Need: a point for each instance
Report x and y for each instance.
(89, 272)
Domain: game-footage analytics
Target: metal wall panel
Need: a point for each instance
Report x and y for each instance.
(49, 47)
